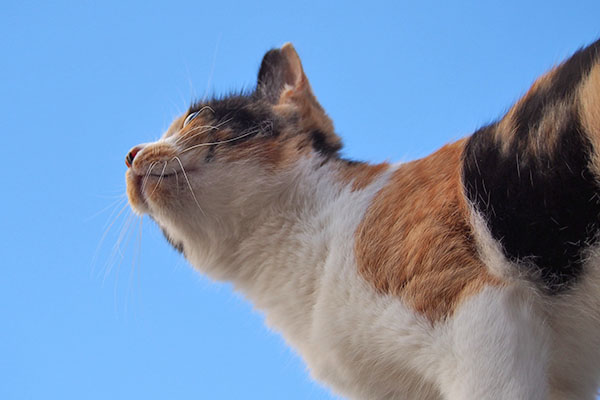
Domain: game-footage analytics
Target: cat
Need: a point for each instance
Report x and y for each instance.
(472, 273)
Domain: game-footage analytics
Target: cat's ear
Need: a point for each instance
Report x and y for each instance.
(281, 71)
(282, 82)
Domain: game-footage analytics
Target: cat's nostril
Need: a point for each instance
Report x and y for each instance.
(131, 155)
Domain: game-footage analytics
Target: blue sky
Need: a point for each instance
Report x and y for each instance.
(83, 81)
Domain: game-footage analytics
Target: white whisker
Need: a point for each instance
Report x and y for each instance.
(110, 222)
(189, 184)
(189, 78)
(205, 128)
(176, 181)
(221, 141)
(120, 195)
(162, 173)
(116, 249)
(145, 180)
(134, 262)
(212, 68)
(202, 130)
(126, 234)
(114, 204)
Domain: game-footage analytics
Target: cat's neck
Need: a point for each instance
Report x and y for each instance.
(277, 258)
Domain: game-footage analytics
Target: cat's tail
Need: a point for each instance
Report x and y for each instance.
(534, 175)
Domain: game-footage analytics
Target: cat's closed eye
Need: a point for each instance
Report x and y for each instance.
(190, 118)
(192, 115)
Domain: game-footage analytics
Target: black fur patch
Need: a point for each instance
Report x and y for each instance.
(352, 163)
(246, 116)
(544, 211)
(322, 146)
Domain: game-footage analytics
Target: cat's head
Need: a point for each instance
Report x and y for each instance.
(222, 159)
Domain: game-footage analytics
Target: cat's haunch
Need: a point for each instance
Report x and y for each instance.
(473, 273)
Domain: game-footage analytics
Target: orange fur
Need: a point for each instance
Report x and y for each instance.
(133, 189)
(275, 154)
(137, 176)
(589, 99)
(555, 115)
(505, 132)
(155, 152)
(415, 240)
(361, 175)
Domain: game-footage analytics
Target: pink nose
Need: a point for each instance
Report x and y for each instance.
(131, 155)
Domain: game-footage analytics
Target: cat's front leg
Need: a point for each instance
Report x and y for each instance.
(497, 348)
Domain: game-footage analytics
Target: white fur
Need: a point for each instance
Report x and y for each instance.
(286, 242)
(570, 321)
(574, 319)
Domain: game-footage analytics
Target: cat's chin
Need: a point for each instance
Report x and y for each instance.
(141, 190)
(146, 192)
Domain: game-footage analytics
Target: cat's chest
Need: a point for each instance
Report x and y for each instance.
(362, 340)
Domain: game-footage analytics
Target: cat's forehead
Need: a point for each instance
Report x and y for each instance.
(218, 106)
(237, 110)
(234, 106)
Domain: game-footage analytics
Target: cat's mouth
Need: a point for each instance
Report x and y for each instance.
(170, 173)
(163, 176)
(167, 171)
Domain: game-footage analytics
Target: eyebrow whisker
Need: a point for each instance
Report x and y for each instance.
(204, 108)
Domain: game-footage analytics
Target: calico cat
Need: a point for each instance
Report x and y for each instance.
(473, 273)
